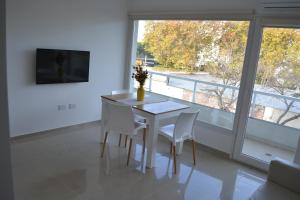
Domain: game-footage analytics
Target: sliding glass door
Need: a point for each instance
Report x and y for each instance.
(273, 126)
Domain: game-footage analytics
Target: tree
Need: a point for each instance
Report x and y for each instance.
(286, 82)
(280, 47)
(227, 63)
(176, 44)
(219, 47)
(141, 51)
(279, 66)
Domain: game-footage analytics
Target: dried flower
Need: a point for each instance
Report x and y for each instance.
(140, 74)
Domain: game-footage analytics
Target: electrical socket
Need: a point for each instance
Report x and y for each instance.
(72, 106)
(61, 107)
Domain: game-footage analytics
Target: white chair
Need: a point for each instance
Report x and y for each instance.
(137, 118)
(121, 120)
(180, 131)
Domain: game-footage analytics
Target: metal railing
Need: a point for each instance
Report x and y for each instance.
(260, 130)
(218, 85)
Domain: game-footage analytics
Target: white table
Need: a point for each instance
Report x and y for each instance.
(153, 109)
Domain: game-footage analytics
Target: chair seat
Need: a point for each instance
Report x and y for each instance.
(168, 132)
(139, 121)
(139, 125)
(139, 118)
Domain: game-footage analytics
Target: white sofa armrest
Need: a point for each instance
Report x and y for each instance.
(285, 174)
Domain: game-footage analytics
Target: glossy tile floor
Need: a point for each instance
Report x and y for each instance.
(65, 164)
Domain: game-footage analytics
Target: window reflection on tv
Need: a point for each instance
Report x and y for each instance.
(62, 66)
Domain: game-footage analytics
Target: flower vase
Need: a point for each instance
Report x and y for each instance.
(141, 93)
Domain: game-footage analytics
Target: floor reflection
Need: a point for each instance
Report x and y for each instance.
(68, 166)
(218, 181)
(72, 183)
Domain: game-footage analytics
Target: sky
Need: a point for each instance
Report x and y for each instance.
(141, 30)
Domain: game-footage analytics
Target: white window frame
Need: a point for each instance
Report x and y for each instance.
(257, 23)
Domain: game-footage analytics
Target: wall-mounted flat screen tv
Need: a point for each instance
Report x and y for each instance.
(62, 66)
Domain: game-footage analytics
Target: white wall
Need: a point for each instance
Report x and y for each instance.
(189, 5)
(98, 26)
(6, 191)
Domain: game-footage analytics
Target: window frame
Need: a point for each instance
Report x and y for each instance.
(209, 15)
(257, 23)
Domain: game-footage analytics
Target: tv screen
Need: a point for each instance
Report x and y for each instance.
(62, 66)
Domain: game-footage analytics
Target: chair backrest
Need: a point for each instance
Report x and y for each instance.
(121, 118)
(120, 92)
(185, 124)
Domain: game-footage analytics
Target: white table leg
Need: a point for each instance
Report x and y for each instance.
(179, 148)
(102, 130)
(152, 141)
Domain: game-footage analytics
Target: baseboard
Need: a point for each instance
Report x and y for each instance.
(48, 132)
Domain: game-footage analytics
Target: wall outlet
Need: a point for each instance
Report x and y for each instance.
(61, 107)
(72, 106)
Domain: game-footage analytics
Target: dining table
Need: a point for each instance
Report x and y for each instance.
(154, 108)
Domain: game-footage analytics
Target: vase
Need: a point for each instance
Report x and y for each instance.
(141, 93)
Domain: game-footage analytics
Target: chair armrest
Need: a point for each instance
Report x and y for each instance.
(285, 174)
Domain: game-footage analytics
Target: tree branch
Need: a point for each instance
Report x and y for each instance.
(290, 119)
(285, 112)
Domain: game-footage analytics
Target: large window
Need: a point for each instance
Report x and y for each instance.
(196, 61)
(201, 62)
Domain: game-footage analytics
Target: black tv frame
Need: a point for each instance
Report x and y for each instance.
(38, 76)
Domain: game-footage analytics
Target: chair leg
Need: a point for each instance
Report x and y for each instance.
(120, 139)
(171, 146)
(104, 143)
(129, 151)
(174, 159)
(126, 141)
(194, 156)
(144, 140)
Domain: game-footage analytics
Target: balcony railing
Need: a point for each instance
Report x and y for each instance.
(261, 126)
(194, 83)
(276, 139)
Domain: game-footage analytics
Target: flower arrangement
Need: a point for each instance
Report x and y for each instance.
(140, 75)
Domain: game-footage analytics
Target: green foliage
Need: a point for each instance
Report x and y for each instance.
(279, 64)
(176, 44)
(141, 51)
(231, 42)
(220, 47)
(182, 44)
